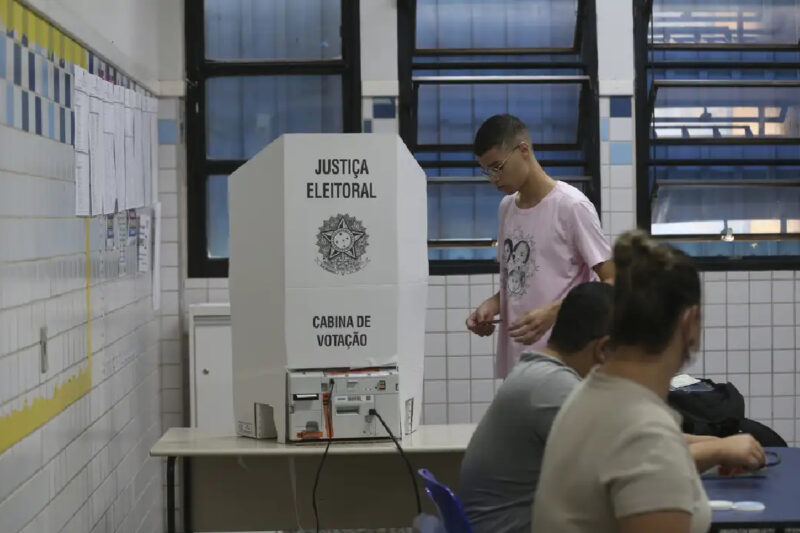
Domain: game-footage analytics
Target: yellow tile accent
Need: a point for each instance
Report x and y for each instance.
(21, 423)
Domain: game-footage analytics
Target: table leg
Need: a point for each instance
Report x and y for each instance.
(170, 494)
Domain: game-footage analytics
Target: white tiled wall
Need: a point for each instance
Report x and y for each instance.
(87, 469)
(750, 339)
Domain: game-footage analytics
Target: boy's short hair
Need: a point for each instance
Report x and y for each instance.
(586, 314)
(499, 130)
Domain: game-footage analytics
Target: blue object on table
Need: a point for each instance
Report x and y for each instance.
(777, 489)
(450, 509)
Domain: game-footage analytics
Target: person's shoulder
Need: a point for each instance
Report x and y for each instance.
(543, 371)
(571, 195)
(506, 202)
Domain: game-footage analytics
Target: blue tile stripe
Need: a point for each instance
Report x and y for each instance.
(37, 86)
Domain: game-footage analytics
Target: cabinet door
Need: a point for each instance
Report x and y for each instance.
(214, 377)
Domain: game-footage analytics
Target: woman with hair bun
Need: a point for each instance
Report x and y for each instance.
(615, 459)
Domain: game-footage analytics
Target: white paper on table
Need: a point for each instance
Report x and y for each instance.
(96, 163)
(119, 145)
(144, 242)
(157, 256)
(154, 147)
(82, 190)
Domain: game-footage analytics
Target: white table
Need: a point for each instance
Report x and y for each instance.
(240, 484)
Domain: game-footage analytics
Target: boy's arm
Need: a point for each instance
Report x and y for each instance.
(606, 271)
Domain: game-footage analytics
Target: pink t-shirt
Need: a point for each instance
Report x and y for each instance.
(544, 252)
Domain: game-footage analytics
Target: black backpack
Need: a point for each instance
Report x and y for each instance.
(709, 408)
(717, 409)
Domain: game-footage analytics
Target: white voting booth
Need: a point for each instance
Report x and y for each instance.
(328, 287)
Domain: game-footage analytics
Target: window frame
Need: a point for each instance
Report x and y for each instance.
(584, 46)
(644, 96)
(199, 69)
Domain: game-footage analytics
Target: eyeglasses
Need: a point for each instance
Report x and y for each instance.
(494, 171)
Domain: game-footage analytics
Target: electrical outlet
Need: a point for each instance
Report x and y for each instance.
(43, 349)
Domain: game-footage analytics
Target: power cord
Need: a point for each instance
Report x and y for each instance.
(326, 400)
(405, 458)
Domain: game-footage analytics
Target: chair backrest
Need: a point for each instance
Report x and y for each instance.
(450, 509)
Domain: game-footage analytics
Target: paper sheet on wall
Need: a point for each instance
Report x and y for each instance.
(80, 104)
(139, 134)
(82, 190)
(119, 145)
(110, 199)
(145, 242)
(97, 164)
(134, 189)
(144, 154)
(122, 240)
(154, 147)
(157, 256)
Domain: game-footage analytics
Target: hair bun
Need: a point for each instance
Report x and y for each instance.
(636, 250)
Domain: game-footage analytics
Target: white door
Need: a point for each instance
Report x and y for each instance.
(213, 376)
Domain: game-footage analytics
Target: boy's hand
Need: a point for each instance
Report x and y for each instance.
(534, 324)
(741, 452)
(480, 320)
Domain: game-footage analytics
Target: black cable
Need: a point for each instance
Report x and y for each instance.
(329, 431)
(405, 458)
(316, 483)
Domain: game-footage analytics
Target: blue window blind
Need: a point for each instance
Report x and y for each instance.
(488, 45)
(723, 112)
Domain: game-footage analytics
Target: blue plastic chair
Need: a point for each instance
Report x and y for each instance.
(450, 509)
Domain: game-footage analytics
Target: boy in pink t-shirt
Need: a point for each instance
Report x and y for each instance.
(549, 240)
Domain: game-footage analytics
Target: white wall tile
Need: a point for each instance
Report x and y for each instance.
(783, 337)
(478, 294)
(760, 314)
(715, 362)
(714, 293)
(458, 367)
(482, 367)
(458, 297)
(783, 291)
(434, 392)
(760, 338)
(436, 297)
(457, 319)
(482, 390)
(737, 292)
(760, 361)
(435, 344)
(738, 315)
(760, 384)
(783, 314)
(482, 345)
(714, 339)
(714, 316)
(435, 321)
(478, 410)
(435, 413)
(435, 368)
(760, 408)
(738, 338)
(783, 407)
(458, 414)
(458, 391)
(783, 361)
(738, 361)
(458, 344)
(760, 292)
(783, 384)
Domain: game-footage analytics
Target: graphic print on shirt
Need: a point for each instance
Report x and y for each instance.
(519, 263)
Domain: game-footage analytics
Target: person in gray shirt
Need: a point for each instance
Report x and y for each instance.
(501, 467)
